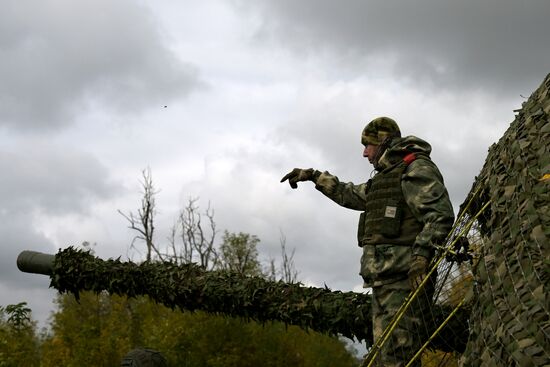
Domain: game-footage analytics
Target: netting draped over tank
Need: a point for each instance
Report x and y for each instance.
(510, 323)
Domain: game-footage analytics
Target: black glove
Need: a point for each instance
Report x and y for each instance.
(297, 175)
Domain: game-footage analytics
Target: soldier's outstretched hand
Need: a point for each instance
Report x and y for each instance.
(297, 175)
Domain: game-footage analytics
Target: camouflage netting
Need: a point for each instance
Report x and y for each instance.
(190, 287)
(510, 322)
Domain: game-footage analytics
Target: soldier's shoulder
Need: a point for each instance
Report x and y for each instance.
(423, 166)
(421, 160)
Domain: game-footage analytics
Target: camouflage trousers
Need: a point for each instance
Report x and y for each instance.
(410, 332)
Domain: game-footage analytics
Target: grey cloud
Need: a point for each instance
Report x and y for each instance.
(251, 199)
(328, 145)
(17, 234)
(470, 44)
(52, 179)
(49, 180)
(57, 57)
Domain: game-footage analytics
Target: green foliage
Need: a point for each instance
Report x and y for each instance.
(239, 253)
(19, 316)
(109, 330)
(19, 345)
(91, 332)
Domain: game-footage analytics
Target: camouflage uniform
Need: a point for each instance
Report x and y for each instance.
(421, 220)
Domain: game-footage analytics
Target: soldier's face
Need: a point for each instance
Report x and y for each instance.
(370, 152)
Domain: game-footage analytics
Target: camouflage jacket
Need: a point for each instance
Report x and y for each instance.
(424, 193)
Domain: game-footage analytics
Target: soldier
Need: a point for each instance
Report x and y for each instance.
(406, 211)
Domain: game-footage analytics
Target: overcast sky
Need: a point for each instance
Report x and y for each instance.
(251, 89)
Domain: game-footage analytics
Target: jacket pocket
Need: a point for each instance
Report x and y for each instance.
(368, 266)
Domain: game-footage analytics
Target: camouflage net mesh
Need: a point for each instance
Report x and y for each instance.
(493, 272)
(190, 287)
(510, 322)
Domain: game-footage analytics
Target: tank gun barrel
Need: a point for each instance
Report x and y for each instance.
(191, 287)
(35, 262)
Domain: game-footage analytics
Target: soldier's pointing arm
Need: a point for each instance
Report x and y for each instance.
(346, 194)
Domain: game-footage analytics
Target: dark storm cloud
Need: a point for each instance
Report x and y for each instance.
(58, 56)
(500, 45)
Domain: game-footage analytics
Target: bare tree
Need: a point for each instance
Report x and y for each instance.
(286, 272)
(143, 222)
(175, 254)
(289, 274)
(270, 272)
(197, 239)
(192, 239)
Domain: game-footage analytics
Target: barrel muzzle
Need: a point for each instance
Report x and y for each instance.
(35, 262)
